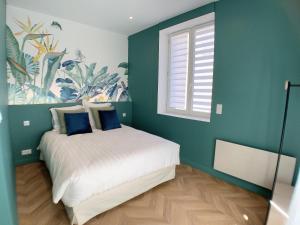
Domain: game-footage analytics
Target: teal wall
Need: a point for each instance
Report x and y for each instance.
(40, 121)
(257, 49)
(7, 172)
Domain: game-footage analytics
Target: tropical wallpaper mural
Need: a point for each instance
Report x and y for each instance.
(40, 70)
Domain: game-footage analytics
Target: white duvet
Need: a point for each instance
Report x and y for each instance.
(86, 164)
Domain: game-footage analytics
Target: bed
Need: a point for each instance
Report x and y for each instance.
(92, 173)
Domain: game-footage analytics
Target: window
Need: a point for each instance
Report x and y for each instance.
(186, 66)
(178, 71)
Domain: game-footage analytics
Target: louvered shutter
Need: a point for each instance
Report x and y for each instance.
(178, 71)
(202, 81)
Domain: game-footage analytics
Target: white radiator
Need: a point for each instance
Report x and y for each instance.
(251, 164)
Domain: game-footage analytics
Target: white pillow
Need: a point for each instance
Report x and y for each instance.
(55, 122)
(88, 105)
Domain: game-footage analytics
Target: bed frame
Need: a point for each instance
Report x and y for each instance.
(104, 201)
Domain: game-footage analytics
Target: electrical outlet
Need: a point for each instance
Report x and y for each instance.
(219, 110)
(124, 114)
(26, 152)
(26, 123)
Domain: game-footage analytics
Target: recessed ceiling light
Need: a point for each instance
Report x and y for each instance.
(131, 17)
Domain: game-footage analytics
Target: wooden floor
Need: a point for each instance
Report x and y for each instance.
(193, 198)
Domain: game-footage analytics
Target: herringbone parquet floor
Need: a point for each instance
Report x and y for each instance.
(193, 198)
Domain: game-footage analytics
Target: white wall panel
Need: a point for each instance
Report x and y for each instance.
(253, 165)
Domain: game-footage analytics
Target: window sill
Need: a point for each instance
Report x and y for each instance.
(185, 117)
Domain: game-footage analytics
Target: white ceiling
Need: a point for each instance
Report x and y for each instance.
(112, 15)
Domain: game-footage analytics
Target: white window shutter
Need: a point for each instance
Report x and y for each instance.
(202, 81)
(178, 71)
(186, 65)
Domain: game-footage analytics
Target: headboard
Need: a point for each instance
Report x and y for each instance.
(28, 137)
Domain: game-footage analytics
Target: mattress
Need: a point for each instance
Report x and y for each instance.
(85, 164)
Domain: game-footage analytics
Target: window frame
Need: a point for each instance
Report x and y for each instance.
(191, 27)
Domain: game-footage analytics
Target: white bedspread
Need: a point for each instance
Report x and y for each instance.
(86, 164)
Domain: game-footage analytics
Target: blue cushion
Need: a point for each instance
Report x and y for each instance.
(109, 119)
(77, 123)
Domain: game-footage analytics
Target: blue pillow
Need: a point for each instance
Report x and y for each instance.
(109, 119)
(77, 123)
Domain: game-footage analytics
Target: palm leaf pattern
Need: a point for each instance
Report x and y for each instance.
(32, 67)
(33, 77)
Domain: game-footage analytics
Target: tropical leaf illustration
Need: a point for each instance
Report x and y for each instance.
(68, 94)
(31, 37)
(33, 76)
(79, 75)
(125, 66)
(54, 60)
(67, 80)
(69, 64)
(16, 94)
(107, 80)
(12, 45)
(13, 64)
(53, 55)
(27, 26)
(60, 82)
(74, 76)
(89, 74)
(94, 83)
(103, 70)
(50, 57)
(36, 28)
(44, 47)
(17, 66)
(79, 55)
(88, 83)
(32, 67)
(123, 96)
(39, 90)
(112, 92)
(18, 71)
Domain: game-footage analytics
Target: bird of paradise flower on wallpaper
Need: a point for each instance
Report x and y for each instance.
(30, 77)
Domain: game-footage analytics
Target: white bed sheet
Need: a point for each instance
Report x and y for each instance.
(86, 164)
